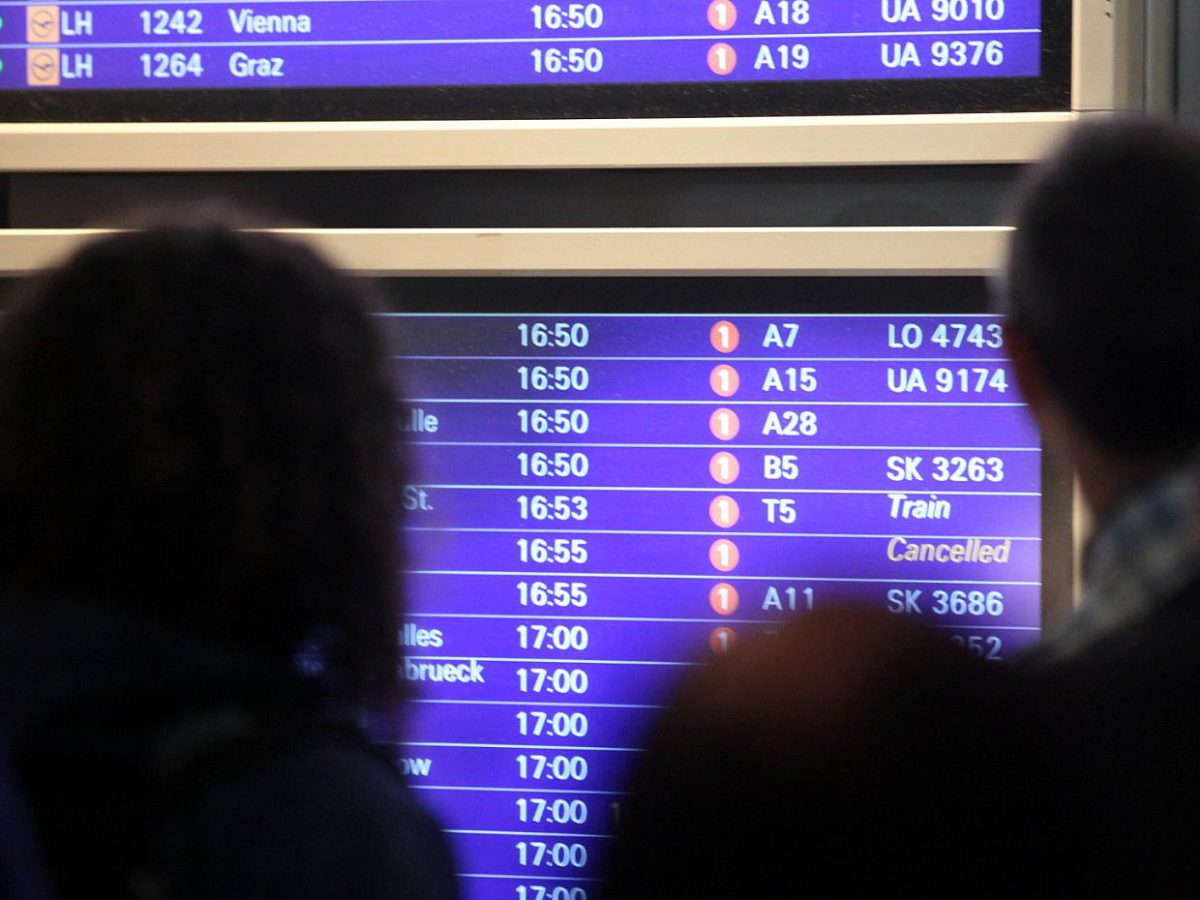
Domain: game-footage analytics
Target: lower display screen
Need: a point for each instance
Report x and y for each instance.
(599, 502)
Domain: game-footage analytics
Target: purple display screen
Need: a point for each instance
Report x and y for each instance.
(130, 44)
(599, 502)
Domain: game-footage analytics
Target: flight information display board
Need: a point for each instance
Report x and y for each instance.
(338, 43)
(601, 501)
(143, 45)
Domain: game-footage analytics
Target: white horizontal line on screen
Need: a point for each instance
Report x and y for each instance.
(515, 746)
(725, 358)
(715, 316)
(723, 489)
(529, 876)
(677, 621)
(707, 621)
(711, 576)
(541, 529)
(548, 659)
(538, 703)
(566, 397)
(534, 445)
(480, 41)
(516, 790)
(535, 834)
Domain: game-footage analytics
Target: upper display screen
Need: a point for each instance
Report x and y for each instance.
(377, 43)
(697, 50)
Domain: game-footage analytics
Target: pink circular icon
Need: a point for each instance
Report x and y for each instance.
(724, 424)
(724, 381)
(722, 15)
(722, 59)
(724, 468)
(724, 555)
(723, 598)
(724, 511)
(722, 640)
(724, 336)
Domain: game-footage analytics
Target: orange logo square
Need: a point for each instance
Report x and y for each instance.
(41, 24)
(42, 67)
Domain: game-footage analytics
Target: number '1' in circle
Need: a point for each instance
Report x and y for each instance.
(723, 598)
(722, 639)
(724, 424)
(724, 555)
(724, 511)
(724, 380)
(722, 15)
(724, 337)
(722, 59)
(724, 467)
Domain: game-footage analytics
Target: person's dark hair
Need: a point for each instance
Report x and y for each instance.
(853, 754)
(200, 424)
(1104, 278)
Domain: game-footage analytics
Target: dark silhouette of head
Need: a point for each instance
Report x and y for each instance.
(198, 424)
(850, 755)
(1103, 286)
